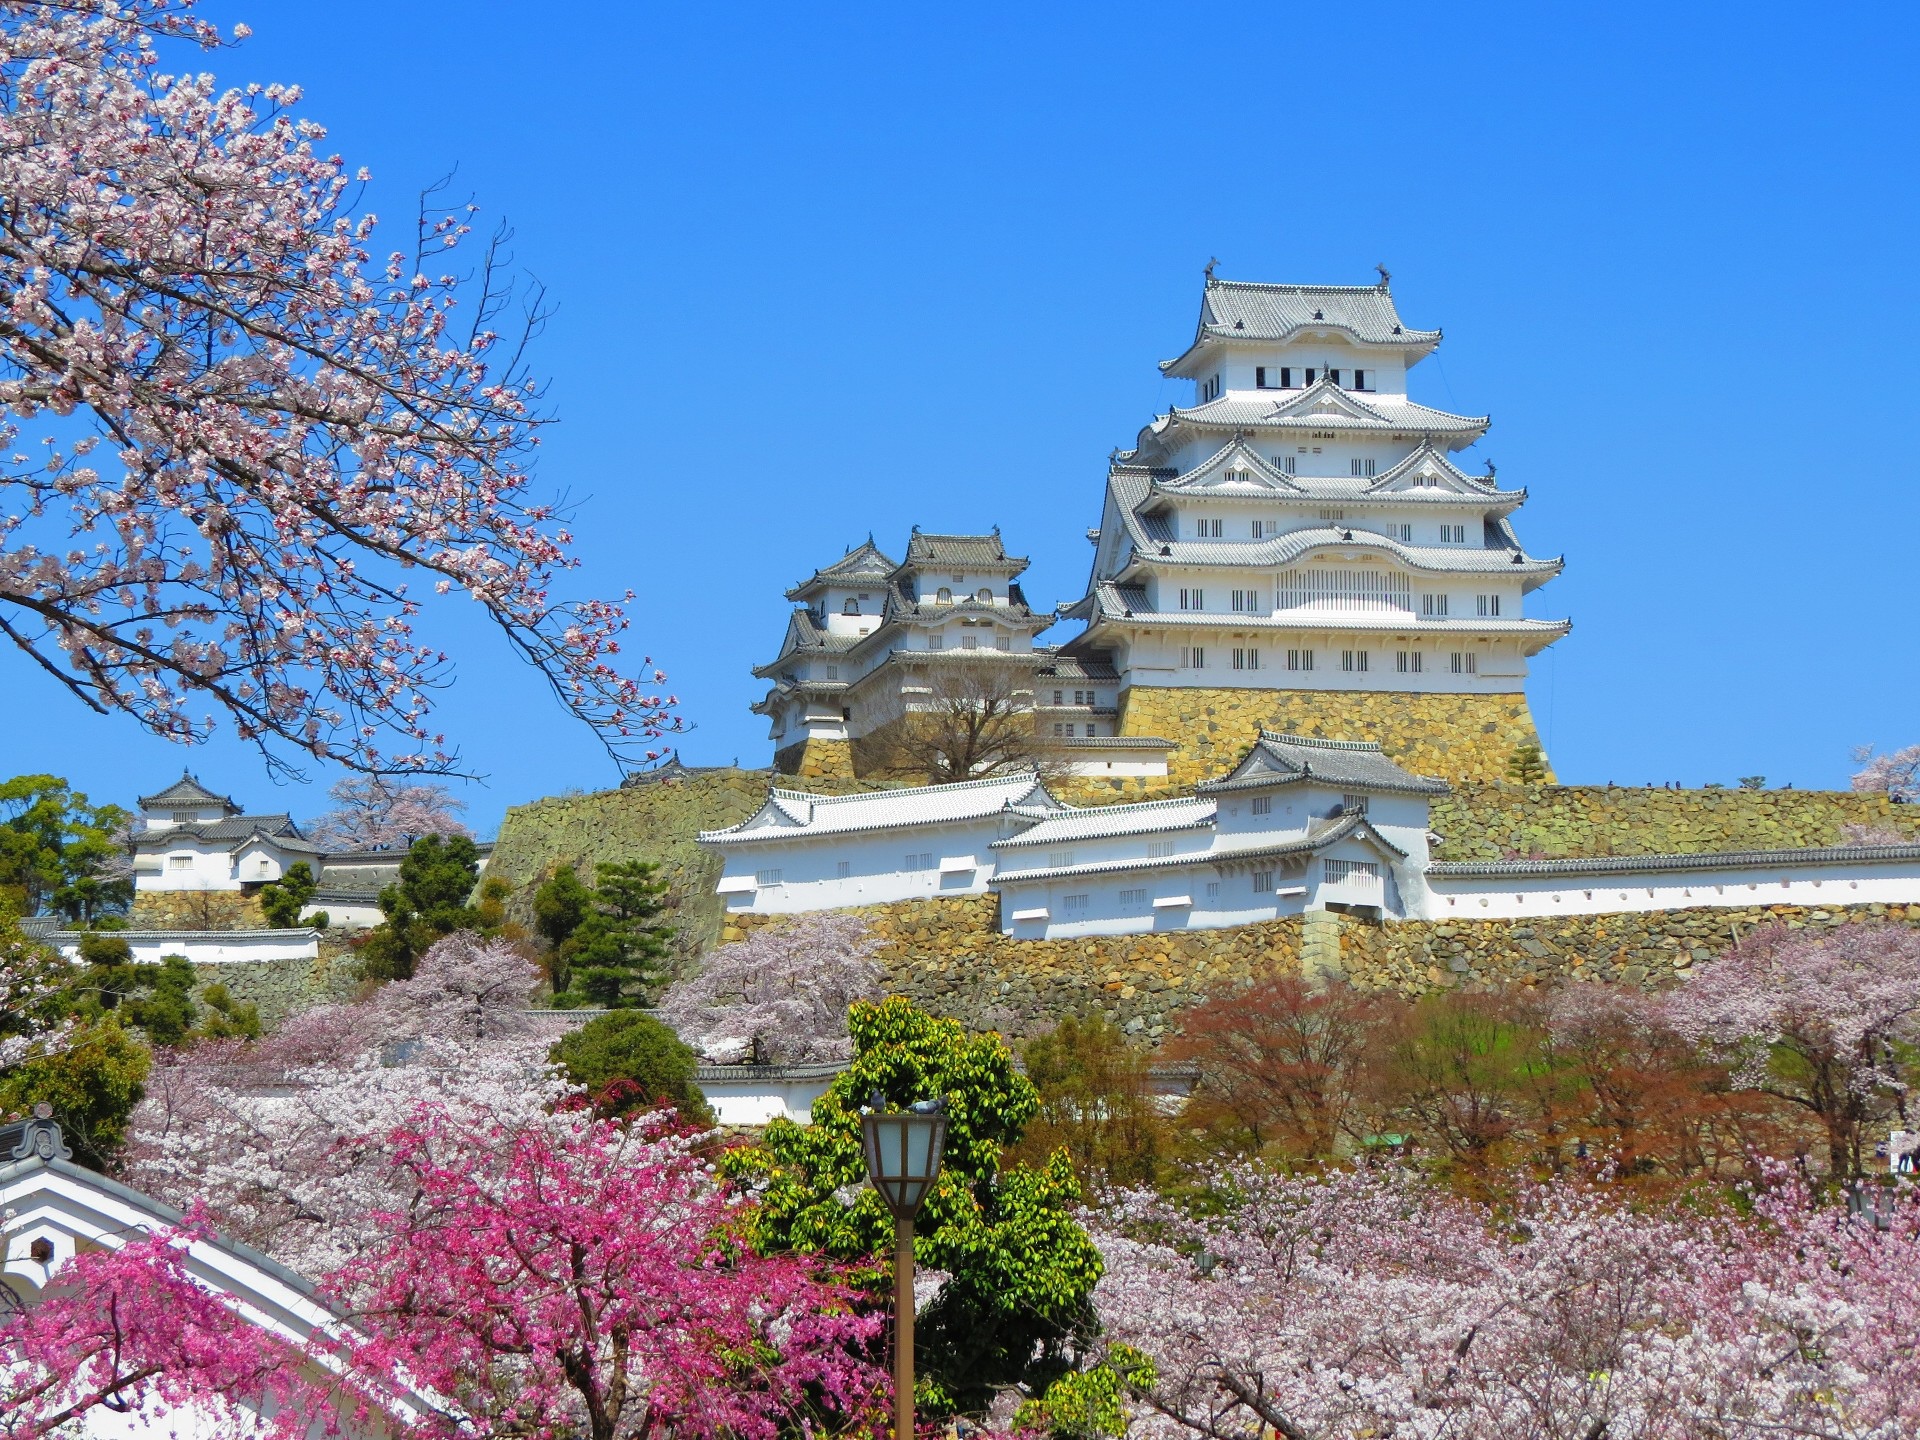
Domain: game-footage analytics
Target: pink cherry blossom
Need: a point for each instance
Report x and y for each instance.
(371, 812)
(253, 426)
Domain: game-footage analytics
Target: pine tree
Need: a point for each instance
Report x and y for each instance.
(612, 957)
(282, 900)
(1527, 765)
(429, 901)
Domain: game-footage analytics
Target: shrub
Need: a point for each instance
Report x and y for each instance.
(629, 1061)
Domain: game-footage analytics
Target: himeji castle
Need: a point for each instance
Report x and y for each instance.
(1302, 549)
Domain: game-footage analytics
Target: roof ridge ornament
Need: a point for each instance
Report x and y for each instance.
(1212, 264)
(1386, 278)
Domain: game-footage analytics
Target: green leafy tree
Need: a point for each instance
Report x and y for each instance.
(60, 852)
(282, 900)
(93, 1078)
(629, 1061)
(1017, 1306)
(1753, 782)
(1527, 765)
(430, 899)
(612, 957)
(1096, 1103)
(155, 999)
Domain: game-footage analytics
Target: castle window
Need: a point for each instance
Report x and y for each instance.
(1159, 849)
(1260, 377)
(1334, 376)
(1059, 697)
(1433, 604)
(1083, 697)
(1193, 599)
(1401, 532)
(936, 641)
(1263, 804)
(1003, 642)
(1093, 732)
(1263, 882)
(1213, 889)
(945, 597)
(1465, 662)
(1359, 379)
(180, 862)
(1075, 904)
(1059, 731)
(1489, 604)
(1247, 602)
(1362, 467)
(1133, 897)
(1357, 872)
(969, 641)
(1193, 657)
(1299, 659)
(1263, 528)
(182, 817)
(842, 869)
(852, 607)
(833, 672)
(1333, 514)
(1207, 529)
(1211, 389)
(846, 712)
(1059, 859)
(1453, 534)
(922, 861)
(983, 595)
(1287, 462)
(1354, 804)
(766, 878)
(1353, 660)
(1407, 662)
(1246, 659)
(1286, 377)
(1309, 375)
(959, 581)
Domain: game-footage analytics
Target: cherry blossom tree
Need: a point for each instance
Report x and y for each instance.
(371, 812)
(1368, 1302)
(244, 449)
(1822, 1020)
(127, 1329)
(1896, 774)
(263, 1134)
(781, 996)
(586, 1280)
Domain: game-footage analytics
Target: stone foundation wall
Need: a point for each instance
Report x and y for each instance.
(281, 987)
(1552, 822)
(949, 957)
(196, 910)
(1652, 949)
(1459, 738)
(816, 760)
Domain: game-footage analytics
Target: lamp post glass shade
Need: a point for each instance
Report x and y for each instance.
(903, 1157)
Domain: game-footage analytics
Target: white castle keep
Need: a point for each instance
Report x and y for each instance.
(1302, 526)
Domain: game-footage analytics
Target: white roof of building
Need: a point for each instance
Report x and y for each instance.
(1226, 851)
(1104, 822)
(1128, 604)
(1240, 310)
(798, 815)
(1357, 765)
(1321, 406)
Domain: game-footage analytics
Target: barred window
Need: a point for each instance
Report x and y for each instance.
(842, 869)
(1246, 659)
(1353, 660)
(1356, 872)
(1076, 904)
(1193, 599)
(1488, 604)
(1207, 529)
(1193, 657)
(1133, 897)
(766, 877)
(1343, 590)
(1299, 659)
(922, 861)
(1453, 534)
(1159, 849)
(1465, 662)
(1263, 804)
(1407, 662)
(1433, 605)
(1362, 468)
(1247, 602)
(1263, 882)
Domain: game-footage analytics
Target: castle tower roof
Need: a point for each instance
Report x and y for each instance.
(1241, 311)
(186, 792)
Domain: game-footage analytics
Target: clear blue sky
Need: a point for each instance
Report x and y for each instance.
(830, 270)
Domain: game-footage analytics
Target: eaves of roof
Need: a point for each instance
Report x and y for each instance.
(1217, 856)
(1284, 549)
(1154, 817)
(1660, 864)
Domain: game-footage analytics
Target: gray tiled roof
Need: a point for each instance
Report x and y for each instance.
(1129, 602)
(865, 564)
(232, 832)
(1070, 668)
(1243, 310)
(805, 636)
(1656, 864)
(967, 552)
(1105, 822)
(1325, 407)
(184, 792)
(1359, 765)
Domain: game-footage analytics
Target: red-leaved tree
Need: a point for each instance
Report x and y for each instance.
(243, 448)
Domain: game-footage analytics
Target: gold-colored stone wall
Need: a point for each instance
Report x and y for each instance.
(949, 957)
(1460, 738)
(196, 910)
(816, 760)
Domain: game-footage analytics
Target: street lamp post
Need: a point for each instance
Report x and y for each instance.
(903, 1160)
